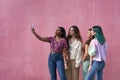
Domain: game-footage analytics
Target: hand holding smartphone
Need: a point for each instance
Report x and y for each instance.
(33, 25)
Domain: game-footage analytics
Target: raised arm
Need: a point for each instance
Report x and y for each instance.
(38, 36)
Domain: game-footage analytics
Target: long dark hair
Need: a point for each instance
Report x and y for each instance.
(64, 35)
(90, 38)
(63, 32)
(77, 33)
(99, 34)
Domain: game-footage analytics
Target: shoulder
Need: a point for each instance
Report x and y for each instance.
(79, 42)
(50, 38)
(93, 42)
(63, 40)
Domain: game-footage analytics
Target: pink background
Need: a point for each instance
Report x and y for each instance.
(23, 57)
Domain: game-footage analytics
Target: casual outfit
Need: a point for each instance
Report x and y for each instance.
(75, 59)
(99, 51)
(85, 63)
(55, 59)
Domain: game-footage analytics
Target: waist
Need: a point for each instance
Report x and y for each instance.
(99, 61)
(56, 53)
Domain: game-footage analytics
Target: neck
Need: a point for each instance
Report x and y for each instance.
(73, 37)
(58, 37)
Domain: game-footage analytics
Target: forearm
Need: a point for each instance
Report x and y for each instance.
(78, 61)
(65, 59)
(86, 53)
(39, 37)
(36, 35)
(91, 58)
(85, 56)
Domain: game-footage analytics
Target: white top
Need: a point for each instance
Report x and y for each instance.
(76, 52)
(98, 50)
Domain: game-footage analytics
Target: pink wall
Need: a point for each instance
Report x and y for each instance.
(23, 57)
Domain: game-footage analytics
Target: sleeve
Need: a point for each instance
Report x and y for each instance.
(92, 49)
(50, 38)
(79, 55)
(106, 48)
(65, 45)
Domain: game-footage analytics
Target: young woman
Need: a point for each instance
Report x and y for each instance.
(75, 50)
(58, 45)
(97, 51)
(86, 58)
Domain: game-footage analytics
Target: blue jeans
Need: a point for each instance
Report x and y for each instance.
(56, 61)
(97, 69)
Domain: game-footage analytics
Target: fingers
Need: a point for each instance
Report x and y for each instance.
(66, 67)
(89, 68)
(33, 27)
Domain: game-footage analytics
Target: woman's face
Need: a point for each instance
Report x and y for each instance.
(58, 32)
(93, 33)
(89, 33)
(72, 32)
